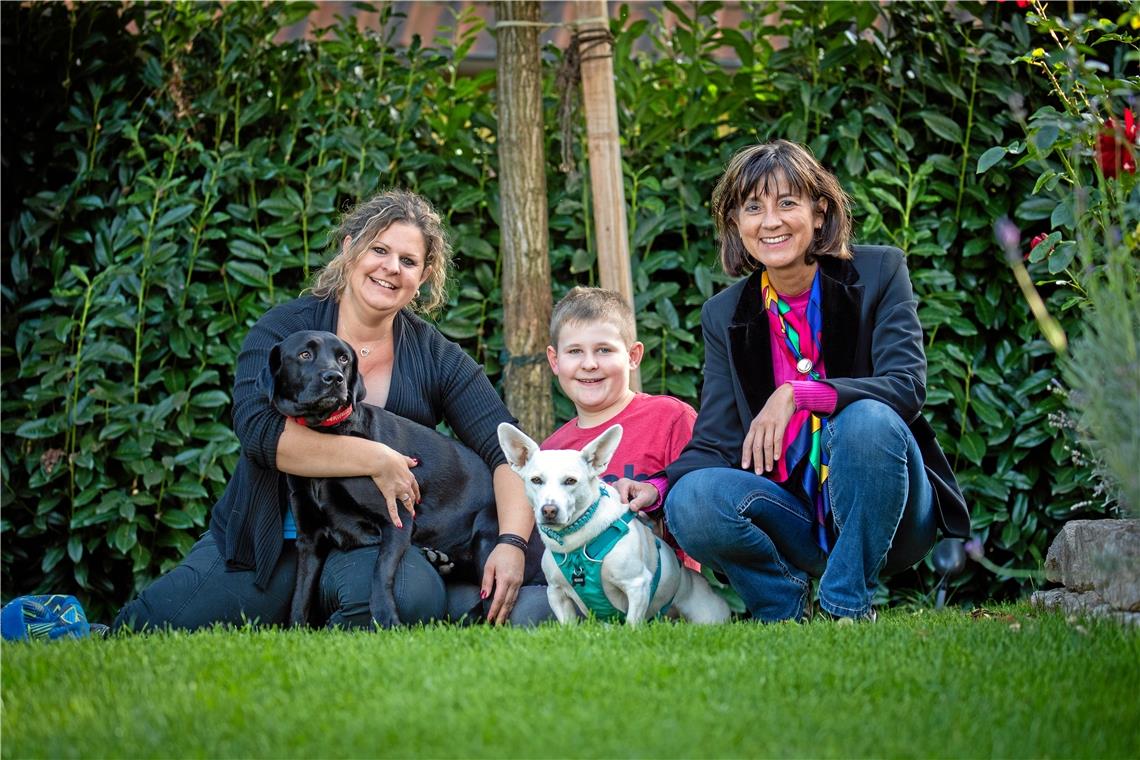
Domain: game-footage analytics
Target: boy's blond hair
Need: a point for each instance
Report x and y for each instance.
(584, 305)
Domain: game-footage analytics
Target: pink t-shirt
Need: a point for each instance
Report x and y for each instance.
(654, 431)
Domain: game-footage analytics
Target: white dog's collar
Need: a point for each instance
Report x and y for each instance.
(574, 527)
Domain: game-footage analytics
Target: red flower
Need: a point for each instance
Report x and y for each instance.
(1116, 155)
(1023, 3)
(1036, 240)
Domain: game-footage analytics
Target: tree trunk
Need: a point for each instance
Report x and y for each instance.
(599, 101)
(523, 219)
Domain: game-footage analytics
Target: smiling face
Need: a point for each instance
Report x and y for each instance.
(389, 271)
(776, 225)
(593, 363)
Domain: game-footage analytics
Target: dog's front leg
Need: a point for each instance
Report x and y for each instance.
(562, 604)
(310, 560)
(393, 545)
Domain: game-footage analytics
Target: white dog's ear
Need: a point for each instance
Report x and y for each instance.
(599, 451)
(517, 447)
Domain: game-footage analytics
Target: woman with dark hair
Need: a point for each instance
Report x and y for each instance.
(387, 250)
(810, 457)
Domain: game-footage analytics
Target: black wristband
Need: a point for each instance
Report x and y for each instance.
(514, 540)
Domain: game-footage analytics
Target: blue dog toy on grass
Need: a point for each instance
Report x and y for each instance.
(53, 616)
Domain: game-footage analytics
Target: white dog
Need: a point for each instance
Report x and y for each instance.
(599, 557)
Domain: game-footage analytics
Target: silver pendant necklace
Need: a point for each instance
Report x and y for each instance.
(365, 351)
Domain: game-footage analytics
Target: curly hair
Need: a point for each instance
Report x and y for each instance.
(362, 223)
(755, 168)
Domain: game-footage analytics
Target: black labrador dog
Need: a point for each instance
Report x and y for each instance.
(314, 380)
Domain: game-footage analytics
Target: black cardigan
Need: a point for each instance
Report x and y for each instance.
(433, 380)
(872, 347)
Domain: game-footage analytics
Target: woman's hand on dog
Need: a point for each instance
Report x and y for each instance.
(765, 440)
(638, 494)
(503, 575)
(393, 476)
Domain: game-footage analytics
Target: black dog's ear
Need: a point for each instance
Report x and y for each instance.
(356, 382)
(267, 380)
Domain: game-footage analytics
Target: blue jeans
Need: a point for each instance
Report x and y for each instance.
(761, 536)
(201, 591)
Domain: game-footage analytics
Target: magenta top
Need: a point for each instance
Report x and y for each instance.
(813, 395)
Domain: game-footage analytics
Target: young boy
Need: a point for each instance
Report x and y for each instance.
(592, 353)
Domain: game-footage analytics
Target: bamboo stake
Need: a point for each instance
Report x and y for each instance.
(599, 101)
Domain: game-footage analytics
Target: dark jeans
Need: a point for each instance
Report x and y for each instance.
(201, 592)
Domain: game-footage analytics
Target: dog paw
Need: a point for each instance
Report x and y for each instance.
(440, 561)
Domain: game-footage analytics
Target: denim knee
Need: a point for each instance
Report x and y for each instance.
(692, 509)
(346, 588)
(866, 421)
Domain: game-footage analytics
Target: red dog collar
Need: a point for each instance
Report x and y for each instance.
(340, 415)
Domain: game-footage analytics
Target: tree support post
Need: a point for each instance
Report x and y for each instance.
(523, 216)
(599, 101)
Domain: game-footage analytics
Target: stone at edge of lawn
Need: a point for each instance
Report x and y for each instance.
(1098, 562)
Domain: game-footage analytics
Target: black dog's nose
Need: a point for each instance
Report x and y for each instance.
(332, 377)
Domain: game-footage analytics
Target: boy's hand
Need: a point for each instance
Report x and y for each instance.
(638, 494)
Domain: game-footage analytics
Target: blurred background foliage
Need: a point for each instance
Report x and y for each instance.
(173, 170)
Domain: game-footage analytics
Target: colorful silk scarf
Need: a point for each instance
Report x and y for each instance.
(804, 436)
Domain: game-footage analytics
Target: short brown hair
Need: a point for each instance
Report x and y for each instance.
(365, 221)
(594, 305)
(756, 166)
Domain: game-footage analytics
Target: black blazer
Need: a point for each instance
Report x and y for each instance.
(872, 348)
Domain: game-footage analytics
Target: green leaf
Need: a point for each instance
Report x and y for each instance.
(246, 249)
(279, 206)
(943, 126)
(42, 427)
(176, 518)
(989, 158)
(124, 537)
(1045, 136)
(1062, 215)
(51, 558)
(213, 431)
(75, 547)
(1062, 256)
(973, 447)
(210, 399)
(247, 273)
(175, 215)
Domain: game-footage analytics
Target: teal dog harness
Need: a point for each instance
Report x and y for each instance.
(583, 566)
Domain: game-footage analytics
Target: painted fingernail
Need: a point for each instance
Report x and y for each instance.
(399, 524)
(482, 594)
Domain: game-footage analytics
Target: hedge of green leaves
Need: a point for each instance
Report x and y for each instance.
(172, 170)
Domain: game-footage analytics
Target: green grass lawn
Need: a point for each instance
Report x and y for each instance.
(1009, 683)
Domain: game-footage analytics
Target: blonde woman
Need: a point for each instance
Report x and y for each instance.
(392, 257)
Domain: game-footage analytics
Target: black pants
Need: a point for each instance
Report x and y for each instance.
(201, 592)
